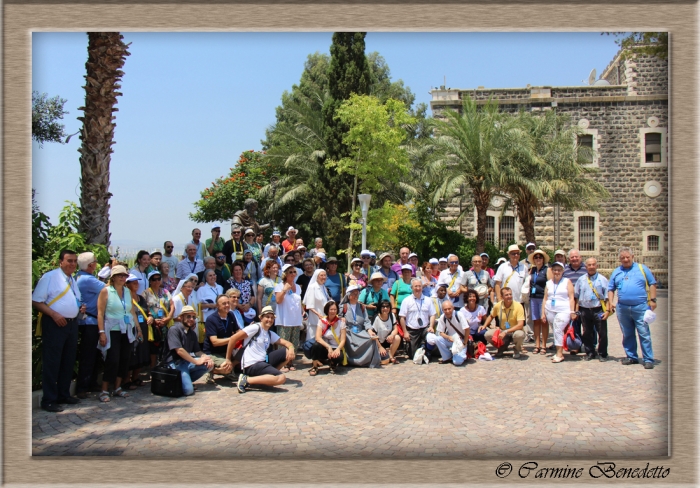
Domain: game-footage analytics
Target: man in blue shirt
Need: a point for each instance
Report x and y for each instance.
(90, 287)
(590, 294)
(336, 282)
(636, 293)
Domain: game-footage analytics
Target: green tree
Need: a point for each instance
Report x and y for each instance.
(472, 149)
(374, 137)
(227, 194)
(45, 114)
(651, 43)
(557, 170)
(106, 55)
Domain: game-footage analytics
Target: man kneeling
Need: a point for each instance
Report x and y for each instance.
(259, 368)
(185, 354)
(450, 328)
(512, 320)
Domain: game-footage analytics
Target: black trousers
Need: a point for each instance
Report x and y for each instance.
(320, 353)
(416, 340)
(118, 355)
(593, 326)
(87, 358)
(59, 347)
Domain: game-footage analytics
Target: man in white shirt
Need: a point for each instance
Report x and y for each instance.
(190, 264)
(417, 317)
(259, 367)
(272, 256)
(449, 329)
(276, 236)
(169, 258)
(452, 277)
(58, 299)
(201, 247)
(510, 274)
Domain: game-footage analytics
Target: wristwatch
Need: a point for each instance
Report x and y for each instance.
(652, 300)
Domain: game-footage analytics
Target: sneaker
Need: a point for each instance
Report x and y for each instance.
(516, 355)
(602, 359)
(648, 365)
(587, 357)
(628, 361)
(242, 383)
(210, 378)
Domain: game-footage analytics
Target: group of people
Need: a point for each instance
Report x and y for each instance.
(245, 310)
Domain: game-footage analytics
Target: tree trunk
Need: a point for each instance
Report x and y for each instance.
(526, 216)
(481, 202)
(106, 55)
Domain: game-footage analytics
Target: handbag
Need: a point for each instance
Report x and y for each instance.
(525, 289)
(166, 382)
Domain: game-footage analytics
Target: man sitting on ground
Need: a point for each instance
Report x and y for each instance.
(259, 368)
(219, 328)
(512, 319)
(185, 354)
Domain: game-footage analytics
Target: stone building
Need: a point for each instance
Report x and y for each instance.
(624, 117)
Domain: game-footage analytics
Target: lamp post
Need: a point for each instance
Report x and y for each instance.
(364, 199)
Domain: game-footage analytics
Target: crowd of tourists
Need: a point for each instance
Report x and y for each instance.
(247, 310)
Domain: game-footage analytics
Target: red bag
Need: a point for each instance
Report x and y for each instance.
(497, 341)
(480, 350)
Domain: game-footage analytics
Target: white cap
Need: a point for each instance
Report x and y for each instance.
(408, 267)
(412, 255)
(433, 261)
(442, 260)
(372, 255)
(355, 260)
(530, 244)
(365, 252)
(286, 267)
(105, 273)
(132, 277)
(215, 225)
(352, 288)
(321, 256)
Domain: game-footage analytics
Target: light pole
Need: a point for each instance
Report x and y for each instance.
(364, 199)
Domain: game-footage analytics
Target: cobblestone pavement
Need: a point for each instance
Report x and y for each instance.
(518, 408)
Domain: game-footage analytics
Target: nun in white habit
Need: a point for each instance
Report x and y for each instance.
(315, 299)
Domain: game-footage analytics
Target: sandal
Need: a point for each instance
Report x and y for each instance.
(543, 351)
(291, 368)
(104, 397)
(120, 393)
(313, 371)
(536, 350)
(557, 359)
(393, 360)
(444, 361)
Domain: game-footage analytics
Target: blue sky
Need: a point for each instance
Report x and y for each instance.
(192, 102)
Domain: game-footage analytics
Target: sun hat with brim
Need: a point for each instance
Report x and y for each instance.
(248, 251)
(188, 309)
(267, 310)
(544, 255)
(557, 263)
(384, 255)
(249, 231)
(352, 288)
(132, 277)
(512, 248)
(372, 255)
(119, 270)
(291, 229)
(377, 276)
(355, 260)
(407, 267)
(276, 233)
(330, 260)
(153, 273)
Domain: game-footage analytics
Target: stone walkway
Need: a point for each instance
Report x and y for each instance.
(519, 408)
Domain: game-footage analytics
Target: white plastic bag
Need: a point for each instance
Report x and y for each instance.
(649, 317)
(485, 357)
(457, 344)
(419, 356)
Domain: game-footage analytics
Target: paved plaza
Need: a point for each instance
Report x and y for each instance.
(507, 407)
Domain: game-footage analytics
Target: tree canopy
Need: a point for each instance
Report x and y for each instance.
(46, 112)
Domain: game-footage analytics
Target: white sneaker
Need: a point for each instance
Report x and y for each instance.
(516, 355)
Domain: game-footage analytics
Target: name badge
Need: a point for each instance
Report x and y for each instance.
(533, 291)
(127, 319)
(507, 325)
(140, 319)
(553, 302)
(354, 329)
(160, 313)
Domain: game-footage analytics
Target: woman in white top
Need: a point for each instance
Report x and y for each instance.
(315, 300)
(558, 307)
(207, 293)
(385, 330)
(330, 340)
(289, 313)
(143, 260)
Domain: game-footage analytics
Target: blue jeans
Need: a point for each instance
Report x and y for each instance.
(444, 345)
(631, 318)
(190, 374)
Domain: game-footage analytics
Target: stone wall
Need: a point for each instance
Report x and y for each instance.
(629, 212)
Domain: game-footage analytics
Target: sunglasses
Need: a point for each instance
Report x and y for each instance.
(538, 257)
(168, 247)
(156, 278)
(453, 262)
(357, 264)
(291, 272)
(220, 258)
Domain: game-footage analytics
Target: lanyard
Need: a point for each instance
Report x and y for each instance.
(556, 285)
(216, 292)
(507, 315)
(353, 309)
(478, 276)
(69, 282)
(121, 298)
(225, 324)
(193, 265)
(419, 308)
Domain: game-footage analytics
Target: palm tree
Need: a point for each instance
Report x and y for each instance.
(556, 171)
(106, 55)
(475, 145)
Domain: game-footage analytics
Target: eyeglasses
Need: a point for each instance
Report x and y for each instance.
(291, 272)
(156, 278)
(453, 262)
(235, 233)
